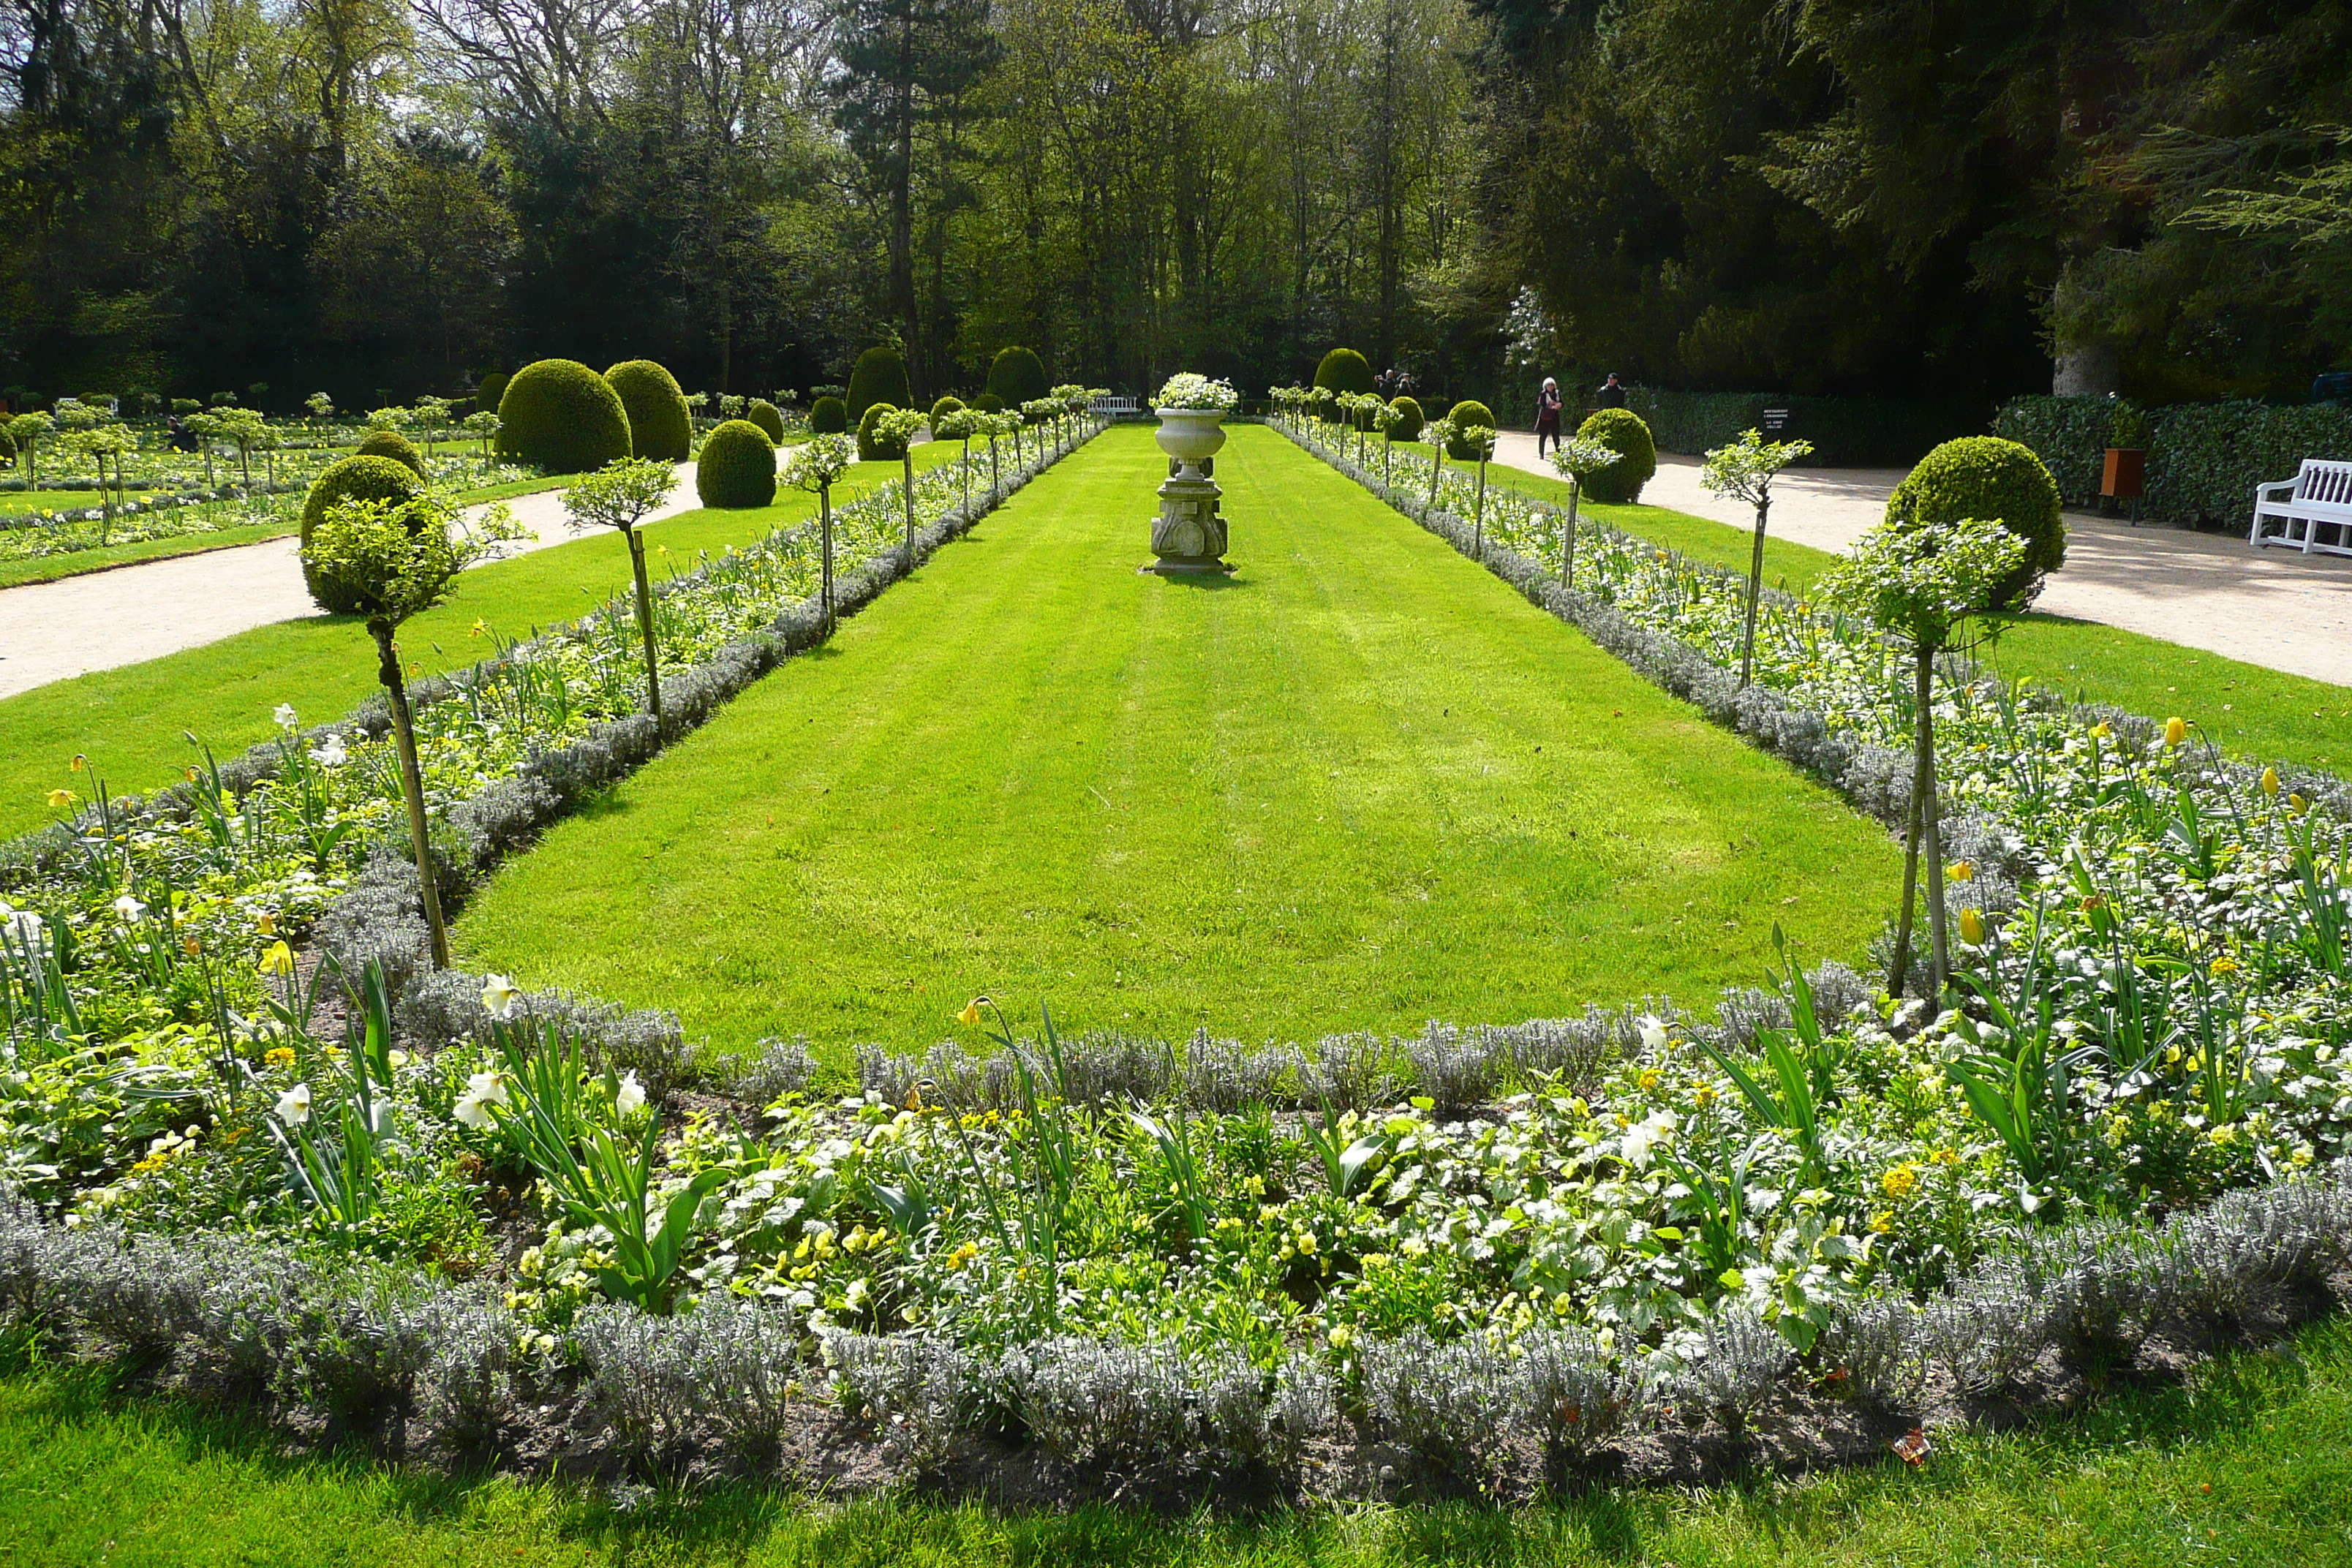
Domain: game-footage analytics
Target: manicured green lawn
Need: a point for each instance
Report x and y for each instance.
(2244, 707)
(131, 720)
(1359, 785)
(2249, 1464)
(17, 503)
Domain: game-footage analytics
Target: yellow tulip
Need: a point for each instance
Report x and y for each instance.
(1961, 871)
(61, 798)
(970, 1013)
(2176, 729)
(278, 960)
(1972, 927)
(2298, 804)
(2270, 782)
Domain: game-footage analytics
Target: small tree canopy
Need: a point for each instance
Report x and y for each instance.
(1579, 456)
(822, 460)
(387, 560)
(1919, 583)
(1744, 470)
(620, 494)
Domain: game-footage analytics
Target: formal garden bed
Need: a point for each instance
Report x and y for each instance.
(1786, 1227)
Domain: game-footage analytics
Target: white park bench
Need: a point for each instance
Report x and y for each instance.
(1110, 407)
(2311, 512)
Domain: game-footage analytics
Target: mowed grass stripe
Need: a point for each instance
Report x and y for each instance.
(132, 721)
(1360, 785)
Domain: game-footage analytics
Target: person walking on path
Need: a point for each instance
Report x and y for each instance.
(1547, 414)
(1612, 396)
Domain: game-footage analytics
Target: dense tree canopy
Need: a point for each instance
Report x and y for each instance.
(381, 197)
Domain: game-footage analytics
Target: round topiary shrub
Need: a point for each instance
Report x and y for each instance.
(1993, 479)
(828, 417)
(1017, 377)
(881, 377)
(737, 467)
(562, 417)
(945, 406)
(872, 447)
(660, 423)
(1343, 370)
(394, 445)
(1464, 414)
(493, 387)
(988, 403)
(356, 478)
(767, 416)
(1623, 432)
(1408, 427)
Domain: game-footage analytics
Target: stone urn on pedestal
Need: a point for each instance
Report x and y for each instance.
(1189, 534)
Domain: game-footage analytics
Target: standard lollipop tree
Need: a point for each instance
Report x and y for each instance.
(384, 561)
(1745, 470)
(817, 464)
(623, 494)
(1575, 457)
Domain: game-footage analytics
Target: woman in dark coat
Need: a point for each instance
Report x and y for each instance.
(1547, 414)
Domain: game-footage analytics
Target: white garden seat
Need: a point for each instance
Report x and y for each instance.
(2310, 512)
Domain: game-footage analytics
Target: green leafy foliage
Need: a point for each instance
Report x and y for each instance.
(1994, 479)
(1623, 432)
(737, 468)
(660, 424)
(560, 416)
(392, 444)
(877, 442)
(351, 478)
(881, 377)
(493, 388)
(945, 406)
(829, 416)
(2204, 459)
(767, 417)
(1017, 377)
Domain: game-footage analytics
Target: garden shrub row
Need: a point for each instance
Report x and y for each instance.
(1846, 432)
(2204, 459)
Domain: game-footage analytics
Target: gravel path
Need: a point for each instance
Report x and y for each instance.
(2283, 611)
(51, 631)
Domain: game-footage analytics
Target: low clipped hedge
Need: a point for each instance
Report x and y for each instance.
(660, 423)
(1845, 432)
(1017, 377)
(1408, 428)
(361, 476)
(1465, 414)
(394, 445)
(881, 377)
(872, 446)
(767, 416)
(737, 467)
(1623, 432)
(563, 417)
(945, 406)
(2204, 459)
(828, 417)
(1992, 478)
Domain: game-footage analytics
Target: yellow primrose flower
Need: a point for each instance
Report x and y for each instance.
(1900, 1181)
(1651, 1078)
(278, 1057)
(2176, 729)
(1882, 1222)
(2225, 964)
(2270, 782)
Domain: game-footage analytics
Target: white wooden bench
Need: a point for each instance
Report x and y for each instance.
(2310, 512)
(1110, 407)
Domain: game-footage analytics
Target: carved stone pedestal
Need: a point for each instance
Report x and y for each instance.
(1189, 534)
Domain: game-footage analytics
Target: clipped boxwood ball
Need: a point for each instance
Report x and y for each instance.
(945, 406)
(1466, 414)
(1017, 377)
(829, 416)
(394, 445)
(1989, 478)
(493, 387)
(767, 416)
(988, 403)
(871, 445)
(1623, 432)
(660, 423)
(356, 478)
(1344, 370)
(881, 377)
(1408, 427)
(737, 467)
(562, 417)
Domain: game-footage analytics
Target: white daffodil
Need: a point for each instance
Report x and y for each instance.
(286, 719)
(500, 995)
(490, 1087)
(294, 1105)
(1644, 1136)
(329, 754)
(471, 1112)
(630, 1099)
(129, 907)
(1653, 1032)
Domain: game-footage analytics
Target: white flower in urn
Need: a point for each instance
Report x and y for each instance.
(1192, 390)
(500, 995)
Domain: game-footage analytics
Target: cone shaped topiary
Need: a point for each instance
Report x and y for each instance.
(1623, 432)
(1345, 369)
(872, 446)
(1017, 377)
(563, 417)
(493, 387)
(1408, 427)
(394, 445)
(1992, 480)
(356, 478)
(881, 377)
(1464, 414)
(660, 424)
(828, 417)
(945, 406)
(737, 467)
(767, 417)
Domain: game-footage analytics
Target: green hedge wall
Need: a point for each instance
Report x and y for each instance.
(2204, 459)
(1846, 432)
